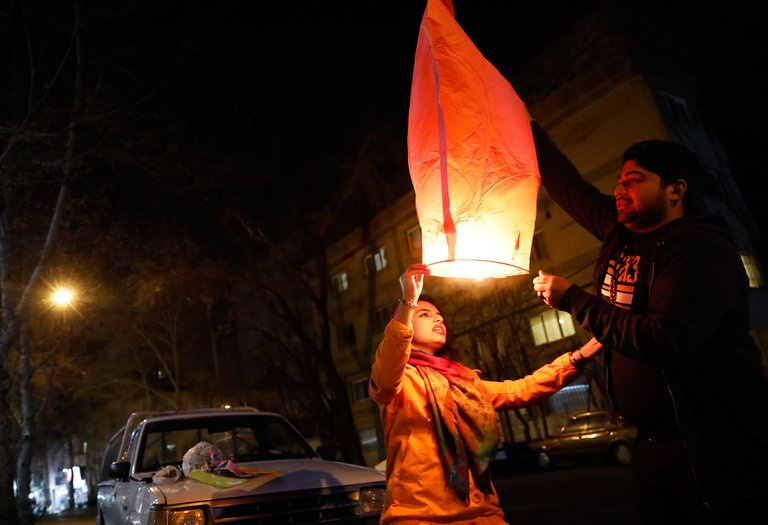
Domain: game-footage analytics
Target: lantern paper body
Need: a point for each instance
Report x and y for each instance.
(471, 157)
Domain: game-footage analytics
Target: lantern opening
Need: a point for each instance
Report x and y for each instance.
(473, 269)
(480, 246)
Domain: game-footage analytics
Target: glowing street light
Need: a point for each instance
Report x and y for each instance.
(62, 297)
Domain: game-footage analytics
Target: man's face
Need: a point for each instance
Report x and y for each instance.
(642, 201)
(429, 332)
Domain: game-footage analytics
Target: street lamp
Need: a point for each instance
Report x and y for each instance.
(62, 297)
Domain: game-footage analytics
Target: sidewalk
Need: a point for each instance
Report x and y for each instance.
(81, 516)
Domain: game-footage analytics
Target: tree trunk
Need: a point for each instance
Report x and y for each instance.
(71, 484)
(8, 513)
(23, 472)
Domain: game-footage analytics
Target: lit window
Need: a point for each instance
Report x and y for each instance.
(571, 398)
(756, 279)
(413, 239)
(551, 325)
(359, 390)
(340, 282)
(375, 261)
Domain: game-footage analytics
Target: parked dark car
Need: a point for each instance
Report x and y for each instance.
(592, 436)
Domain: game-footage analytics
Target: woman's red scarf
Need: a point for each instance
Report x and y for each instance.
(466, 425)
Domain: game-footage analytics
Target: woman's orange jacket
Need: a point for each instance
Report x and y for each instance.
(416, 488)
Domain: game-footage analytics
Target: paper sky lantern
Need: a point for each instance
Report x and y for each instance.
(471, 156)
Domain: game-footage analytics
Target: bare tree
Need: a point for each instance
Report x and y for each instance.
(59, 140)
(291, 288)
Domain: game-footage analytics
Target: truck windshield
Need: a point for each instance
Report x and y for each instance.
(241, 439)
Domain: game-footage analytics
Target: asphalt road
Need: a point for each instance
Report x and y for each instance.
(575, 495)
(86, 516)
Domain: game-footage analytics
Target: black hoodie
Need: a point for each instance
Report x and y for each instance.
(678, 352)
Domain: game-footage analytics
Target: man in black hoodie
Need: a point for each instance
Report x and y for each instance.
(670, 307)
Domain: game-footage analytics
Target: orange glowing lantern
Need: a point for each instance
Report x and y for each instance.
(471, 156)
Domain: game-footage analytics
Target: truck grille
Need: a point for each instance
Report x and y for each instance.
(290, 508)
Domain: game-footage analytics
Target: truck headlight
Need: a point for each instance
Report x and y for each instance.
(372, 500)
(194, 516)
(187, 517)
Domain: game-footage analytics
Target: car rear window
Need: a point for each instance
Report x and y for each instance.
(600, 420)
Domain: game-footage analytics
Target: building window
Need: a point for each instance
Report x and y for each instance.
(375, 261)
(340, 282)
(347, 335)
(359, 390)
(413, 240)
(550, 326)
(756, 279)
(571, 398)
(382, 316)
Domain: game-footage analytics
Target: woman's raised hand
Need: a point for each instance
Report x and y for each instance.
(412, 282)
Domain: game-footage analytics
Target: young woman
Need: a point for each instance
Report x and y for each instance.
(440, 425)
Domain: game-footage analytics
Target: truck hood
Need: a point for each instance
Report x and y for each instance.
(285, 476)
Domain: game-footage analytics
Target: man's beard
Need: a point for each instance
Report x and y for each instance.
(634, 219)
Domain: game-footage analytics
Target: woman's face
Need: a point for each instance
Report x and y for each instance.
(429, 332)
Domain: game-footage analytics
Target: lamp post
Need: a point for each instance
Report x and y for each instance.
(63, 299)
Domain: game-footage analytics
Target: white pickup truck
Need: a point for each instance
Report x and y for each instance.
(285, 480)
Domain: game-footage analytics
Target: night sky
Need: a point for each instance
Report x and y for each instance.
(309, 79)
(334, 67)
(294, 89)
(288, 91)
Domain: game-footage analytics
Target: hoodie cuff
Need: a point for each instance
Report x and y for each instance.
(573, 298)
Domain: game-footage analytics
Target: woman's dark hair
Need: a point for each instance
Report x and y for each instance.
(429, 299)
(671, 162)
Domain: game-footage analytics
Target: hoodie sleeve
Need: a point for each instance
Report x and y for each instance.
(593, 210)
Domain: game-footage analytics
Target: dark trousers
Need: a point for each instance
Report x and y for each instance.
(668, 490)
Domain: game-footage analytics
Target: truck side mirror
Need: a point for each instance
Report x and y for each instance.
(119, 470)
